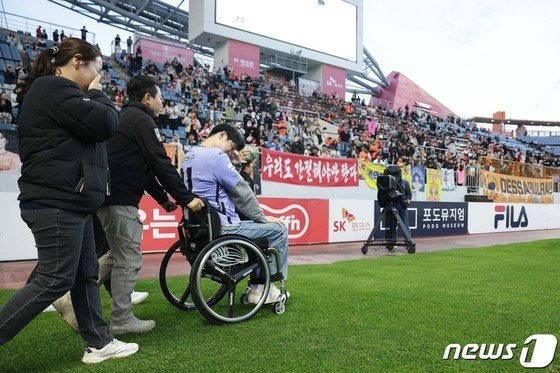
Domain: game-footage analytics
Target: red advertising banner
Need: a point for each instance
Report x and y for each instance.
(244, 58)
(334, 80)
(159, 51)
(160, 227)
(307, 219)
(312, 171)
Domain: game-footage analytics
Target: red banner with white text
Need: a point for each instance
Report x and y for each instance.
(307, 219)
(312, 171)
(160, 227)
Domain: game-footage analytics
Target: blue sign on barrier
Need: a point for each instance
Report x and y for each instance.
(433, 219)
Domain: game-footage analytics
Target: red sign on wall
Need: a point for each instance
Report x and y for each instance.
(244, 58)
(303, 170)
(159, 51)
(160, 227)
(307, 219)
(334, 81)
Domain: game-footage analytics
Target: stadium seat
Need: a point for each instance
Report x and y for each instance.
(168, 133)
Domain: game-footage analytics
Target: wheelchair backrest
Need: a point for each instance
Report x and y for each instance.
(201, 227)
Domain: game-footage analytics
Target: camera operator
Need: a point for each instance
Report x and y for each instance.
(399, 199)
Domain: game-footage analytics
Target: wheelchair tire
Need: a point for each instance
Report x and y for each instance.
(179, 295)
(222, 259)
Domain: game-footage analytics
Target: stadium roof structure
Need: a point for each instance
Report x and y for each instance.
(524, 122)
(159, 19)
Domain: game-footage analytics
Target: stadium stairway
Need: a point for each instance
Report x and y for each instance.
(121, 70)
(25, 59)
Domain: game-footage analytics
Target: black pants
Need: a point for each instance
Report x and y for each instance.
(67, 261)
(391, 224)
(101, 248)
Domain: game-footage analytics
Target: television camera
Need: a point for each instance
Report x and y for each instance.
(389, 188)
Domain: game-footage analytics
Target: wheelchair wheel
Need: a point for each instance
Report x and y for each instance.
(174, 274)
(228, 262)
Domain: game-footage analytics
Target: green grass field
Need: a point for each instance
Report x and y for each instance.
(394, 313)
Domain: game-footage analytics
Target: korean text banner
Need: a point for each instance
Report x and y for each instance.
(302, 170)
(507, 188)
(370, 172)
(431, 219)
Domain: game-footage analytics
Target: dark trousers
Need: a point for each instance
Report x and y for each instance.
(66, 261)
(101, 248)
(392, 224)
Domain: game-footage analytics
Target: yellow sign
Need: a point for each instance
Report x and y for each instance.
(506, 188)
(433, 185)
(370, 172)
(407, 174)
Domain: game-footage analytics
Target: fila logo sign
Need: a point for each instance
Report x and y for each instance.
(510, 216)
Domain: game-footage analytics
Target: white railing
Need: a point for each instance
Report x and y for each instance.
(21, 24)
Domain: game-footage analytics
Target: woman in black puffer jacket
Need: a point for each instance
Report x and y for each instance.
(64, 120)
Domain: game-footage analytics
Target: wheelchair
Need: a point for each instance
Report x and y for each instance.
(205, 271)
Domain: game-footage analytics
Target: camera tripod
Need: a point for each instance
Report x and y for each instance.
(388, 243)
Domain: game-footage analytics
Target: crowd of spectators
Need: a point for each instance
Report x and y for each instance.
(277, 117)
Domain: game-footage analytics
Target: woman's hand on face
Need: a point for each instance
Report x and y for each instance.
(96, 83)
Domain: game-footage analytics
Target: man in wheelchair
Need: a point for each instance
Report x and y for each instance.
(209, 173)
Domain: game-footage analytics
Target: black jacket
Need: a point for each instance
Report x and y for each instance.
(61, 134)
(297, 147)
(133, 152)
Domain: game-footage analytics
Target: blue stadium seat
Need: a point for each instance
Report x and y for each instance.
(7, 126)
(181, 134)
(167, 132)
(15, 54)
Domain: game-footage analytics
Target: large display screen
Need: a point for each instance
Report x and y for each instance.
(326, 26)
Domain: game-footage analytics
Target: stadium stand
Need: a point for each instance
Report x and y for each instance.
(263, 111)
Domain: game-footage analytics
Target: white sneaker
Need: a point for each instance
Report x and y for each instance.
(256, 291)
(138, 296)
(115, 348)
(64, 306)
(50, 309)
